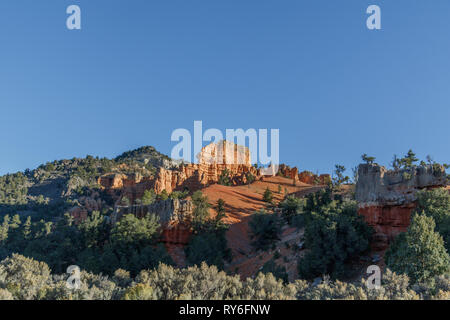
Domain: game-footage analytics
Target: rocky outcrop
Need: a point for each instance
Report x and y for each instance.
(288, 172)
(174, 215)
(214, 159)
(120, 180)
(224, 152)
(86, 204)
(197, 176)
(386, 198)
(304, 177)
(311, 178)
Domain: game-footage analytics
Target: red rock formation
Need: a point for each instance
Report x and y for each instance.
(224, 152)
(197, 176)
(86, 205)
(233, 158)
(387, 221)
(112, 181)
(213, 159)
(78, 214)
(311, 178)
(176, 235)
(386, 198)
(305, 176)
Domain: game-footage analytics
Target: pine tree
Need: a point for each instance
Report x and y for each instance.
(420, 252)
(409, 160)
(339, 175)
(148, 197)
(220, 209)
(225, 178)
(125, 201)
(4, 229)
(436, 204)
(367, 159)
(201, 209)
(26, 229)
(267, 196)
(163, 195)
(396, 162)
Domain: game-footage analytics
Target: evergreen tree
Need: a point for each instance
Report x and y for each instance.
(125, 202)
(148, 197)
(268, 196)
(163, 195)
(220, 209)
(409, 160)
(201, 209)
(225, 178)
(396, 162)
(26, 229)
(339, 175)
(4, 229)
(367, 159)
(435, 203)
(265, 229)
(420, 252)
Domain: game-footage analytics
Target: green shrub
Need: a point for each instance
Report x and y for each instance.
(148, 198)
(265, 229)
(268, 196)
(138, 292)
(277, 271)
(209, 247)
(292, 207)
(225, 178)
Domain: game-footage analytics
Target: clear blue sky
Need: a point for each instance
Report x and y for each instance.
(139, 69)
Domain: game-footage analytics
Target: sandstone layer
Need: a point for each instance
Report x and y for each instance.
(386, 198)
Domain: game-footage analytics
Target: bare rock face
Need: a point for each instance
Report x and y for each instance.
(305, 176)
(224, 152)
(378, 185)
(311, 178)
(387, 198)
(175, 217)
(112, 181)
(197, 176)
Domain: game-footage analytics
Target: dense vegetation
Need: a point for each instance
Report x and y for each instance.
(49, 190)
(94, 244)
(435, 203)
(208, 243)
(265, 229)
(334, 235)
(24, 278)
(127, 261)
(419, 252)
